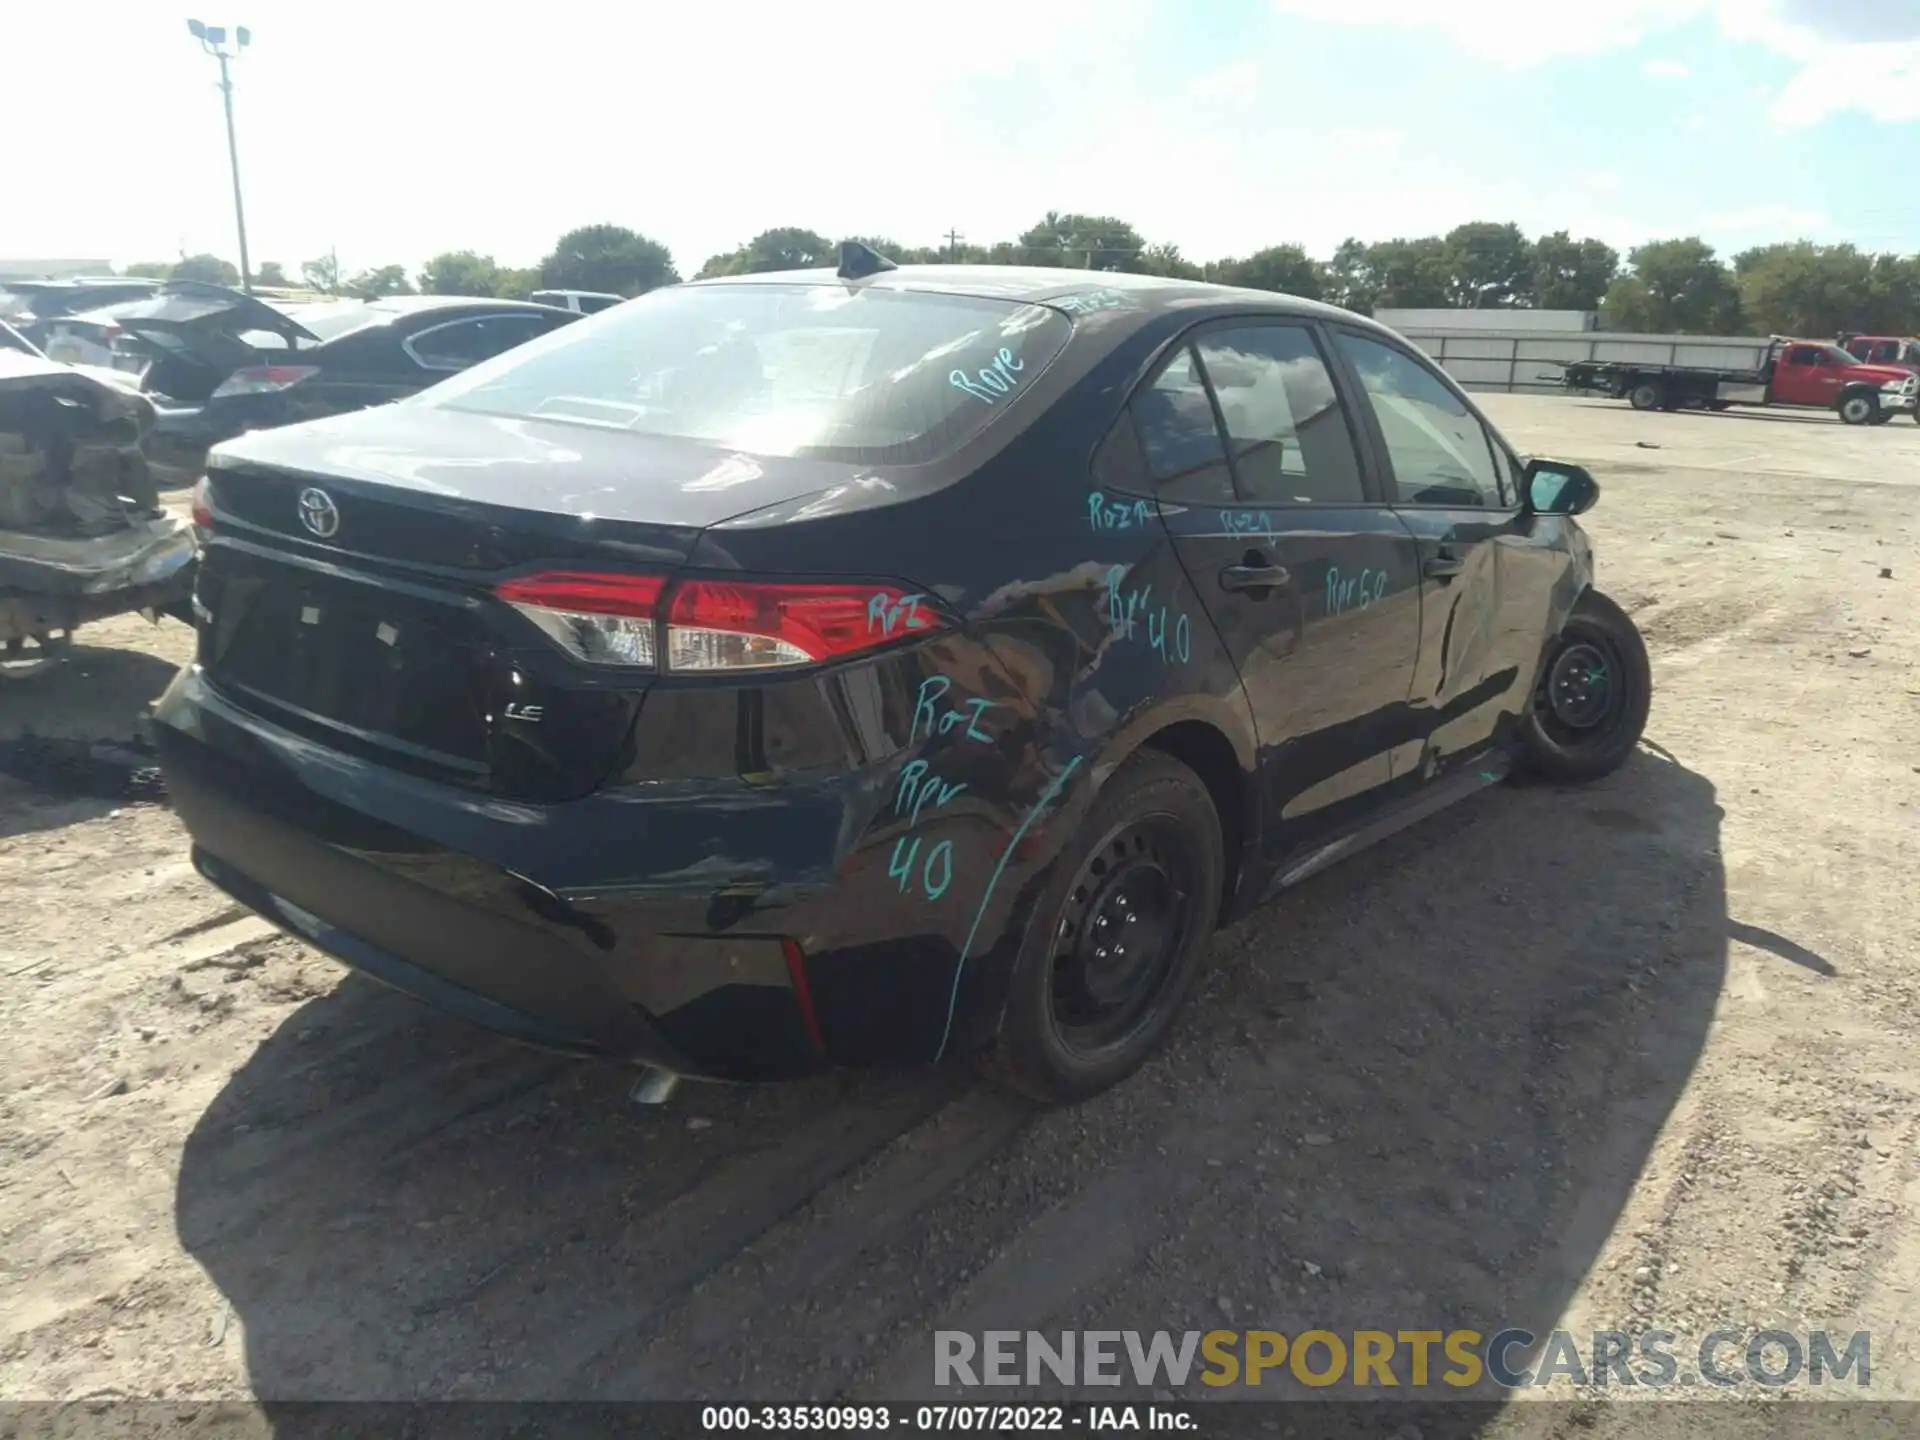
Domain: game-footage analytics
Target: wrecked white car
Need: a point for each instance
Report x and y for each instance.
(82, 533)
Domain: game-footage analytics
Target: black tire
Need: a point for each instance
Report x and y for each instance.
(1645, 395)
(1150, 850)
(1574, 733)
(1859, 408)
(1719, 405)
(1882, 417)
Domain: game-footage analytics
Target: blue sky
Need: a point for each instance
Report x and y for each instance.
(395, 131)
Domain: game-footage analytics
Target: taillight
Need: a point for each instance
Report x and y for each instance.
(602, 619)
(716, 627)
(203, 504)
(719, 625)
(263, 379)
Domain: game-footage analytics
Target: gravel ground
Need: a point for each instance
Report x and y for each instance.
(1639, 1055)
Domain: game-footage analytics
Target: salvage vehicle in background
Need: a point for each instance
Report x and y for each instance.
(82, 532)
(1716, 374)
(1897, 350)
(32, 307)
(223, 363)
(865, 666)
(584, 302)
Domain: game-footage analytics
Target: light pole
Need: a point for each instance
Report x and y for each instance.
(212, 39)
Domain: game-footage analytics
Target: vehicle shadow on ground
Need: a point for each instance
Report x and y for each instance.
(1760, 416)
(96, 691)
(1415, 1094)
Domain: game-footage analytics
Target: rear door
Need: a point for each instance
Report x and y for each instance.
(1486, 579)
(1308, 579)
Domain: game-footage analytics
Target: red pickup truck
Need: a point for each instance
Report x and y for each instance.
(1900, 350)
(1808, 373)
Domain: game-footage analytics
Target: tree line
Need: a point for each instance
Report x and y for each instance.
(1680, 285)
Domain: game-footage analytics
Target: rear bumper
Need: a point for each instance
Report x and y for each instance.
(51, 584)
(485, 909)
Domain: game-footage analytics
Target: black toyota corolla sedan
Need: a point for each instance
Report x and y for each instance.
(873, 665)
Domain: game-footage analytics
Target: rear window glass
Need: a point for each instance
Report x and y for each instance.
(864, 376)
(332, 320)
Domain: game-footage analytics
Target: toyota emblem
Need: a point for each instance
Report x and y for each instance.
(318, 513)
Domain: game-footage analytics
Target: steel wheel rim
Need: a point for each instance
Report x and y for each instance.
(1582, 697)
(1127, 918)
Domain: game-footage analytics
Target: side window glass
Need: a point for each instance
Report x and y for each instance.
(1886, 352)
(467, 342)
(1441, 453)
(1180, 438)
(1289, 436)
(1803, 355)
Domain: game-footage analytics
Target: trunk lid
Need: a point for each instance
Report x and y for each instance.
(200, 334)
(382, 635)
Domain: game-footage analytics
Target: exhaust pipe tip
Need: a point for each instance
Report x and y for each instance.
(654, 1087)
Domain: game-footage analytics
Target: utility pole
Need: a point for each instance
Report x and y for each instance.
(954, 237)
(212, 38)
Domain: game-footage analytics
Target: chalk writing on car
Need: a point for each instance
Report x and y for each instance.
(994, 380)
(886, 614)
(1132, 615)
(1104, 513)
(1344, 592)
(933, 716)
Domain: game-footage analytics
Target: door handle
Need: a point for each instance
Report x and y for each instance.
(1443, 566)
(1255, 577)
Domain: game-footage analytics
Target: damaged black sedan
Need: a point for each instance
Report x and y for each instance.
(870, 666)
(83, 535)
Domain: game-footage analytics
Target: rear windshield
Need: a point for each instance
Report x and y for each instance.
(332, 319)
(820, 371)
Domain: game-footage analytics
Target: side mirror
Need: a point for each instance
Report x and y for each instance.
(1555, 487)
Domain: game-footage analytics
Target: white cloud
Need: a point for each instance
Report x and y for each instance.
(1849, 54)
(1232, 86)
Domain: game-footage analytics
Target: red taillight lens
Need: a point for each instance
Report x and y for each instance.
(203, 503)
(602, 619)
(263, 379)
(724, 625)
(712, 626)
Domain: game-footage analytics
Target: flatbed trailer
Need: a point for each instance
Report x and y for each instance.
(1800, 373)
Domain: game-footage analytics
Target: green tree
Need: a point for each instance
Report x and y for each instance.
(1286, 268)
(460, 272)
(149, 269)
(1409, 274)
(1488, 265)
(322, 274)
(1571, 274)
(516, 284)
(1168, 261)
(1082, 242)
(1349, 279)
(1893, 296)
(787, 247)
(381, 280)
(270, 273)
(609, 258)
(1805, 289)
(1674, 286)
(210, 268)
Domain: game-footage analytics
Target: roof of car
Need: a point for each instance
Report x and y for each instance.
(1036, 283)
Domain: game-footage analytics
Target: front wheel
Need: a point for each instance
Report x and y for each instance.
(1590, 707)
(1116, 935)
(1859, 409)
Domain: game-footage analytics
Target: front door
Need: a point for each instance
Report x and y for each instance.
(1487, 579)
(1308, 579)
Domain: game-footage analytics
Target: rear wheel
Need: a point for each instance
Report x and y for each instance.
(1591, 705)
(1116, 936)
(1646, 396)
(1860, 409)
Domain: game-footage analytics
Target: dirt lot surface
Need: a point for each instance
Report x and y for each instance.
(1637, 1055)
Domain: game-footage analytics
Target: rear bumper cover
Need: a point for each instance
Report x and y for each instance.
(295, 832)
(48, 583)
